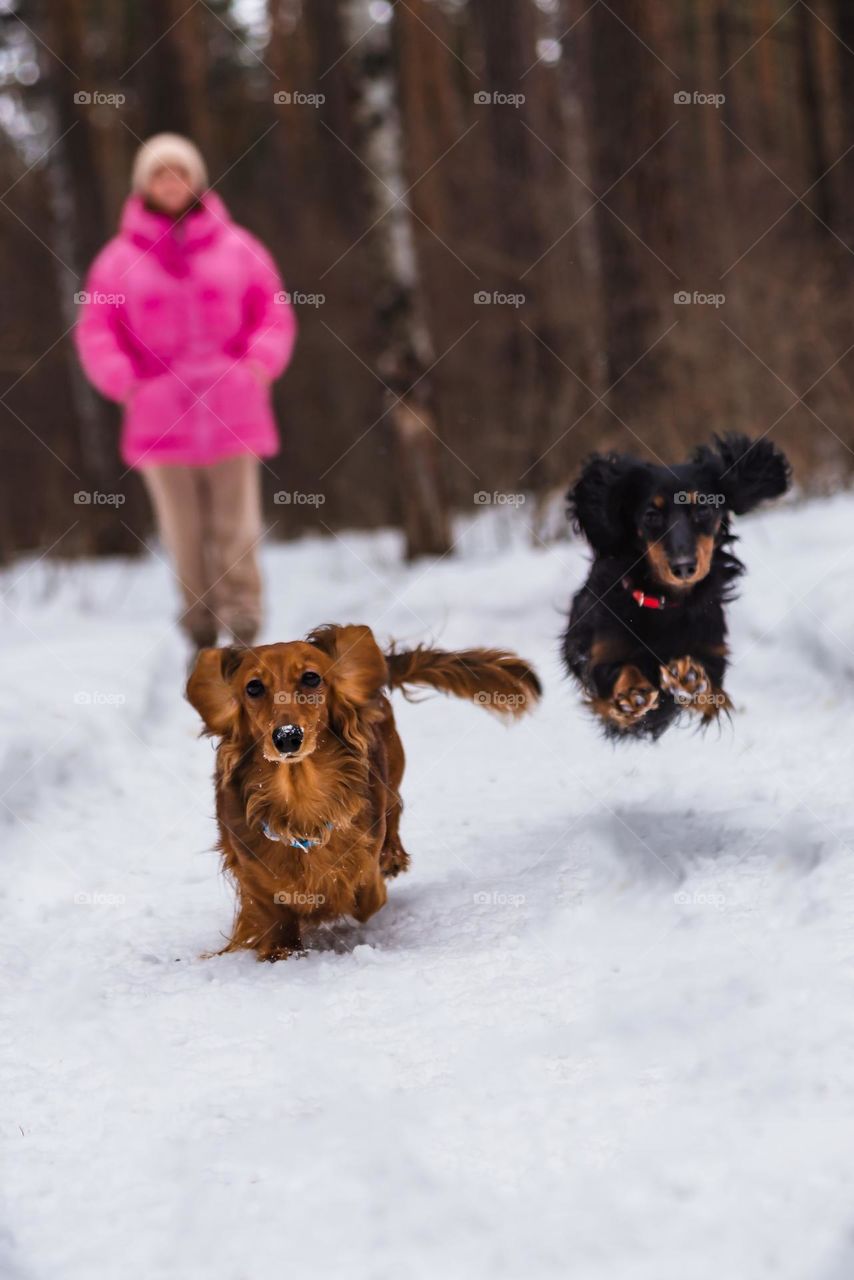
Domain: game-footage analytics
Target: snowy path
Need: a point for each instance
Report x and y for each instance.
(604, 1029)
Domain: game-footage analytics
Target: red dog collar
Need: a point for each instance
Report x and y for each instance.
(649, 602)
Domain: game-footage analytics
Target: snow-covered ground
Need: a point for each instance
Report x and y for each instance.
(604, 1029)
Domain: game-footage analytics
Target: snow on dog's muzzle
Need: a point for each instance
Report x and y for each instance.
(287, 739)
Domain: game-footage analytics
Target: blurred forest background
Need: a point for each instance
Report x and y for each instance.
(585, 166)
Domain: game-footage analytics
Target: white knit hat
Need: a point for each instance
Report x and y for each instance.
(163, 150)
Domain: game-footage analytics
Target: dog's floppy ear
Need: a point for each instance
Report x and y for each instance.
(209, 690)
(596, 500)
(750, 470)
(359, 668)
(357, 675)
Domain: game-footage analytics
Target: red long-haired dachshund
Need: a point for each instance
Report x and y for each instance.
(309, 767)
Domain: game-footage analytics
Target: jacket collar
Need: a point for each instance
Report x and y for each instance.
(166, 237)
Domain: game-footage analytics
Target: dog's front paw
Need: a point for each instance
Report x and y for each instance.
(688, 683)
(394, 859)
(272, 954)
(631, 699)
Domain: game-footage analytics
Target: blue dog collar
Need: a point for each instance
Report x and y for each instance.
(296, 842)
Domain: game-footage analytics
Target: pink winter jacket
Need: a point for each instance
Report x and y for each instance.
(174, 319)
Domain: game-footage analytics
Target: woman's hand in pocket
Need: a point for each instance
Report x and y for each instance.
(259, 373)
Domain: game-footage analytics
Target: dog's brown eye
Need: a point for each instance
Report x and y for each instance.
(310, 679)
(254, 688)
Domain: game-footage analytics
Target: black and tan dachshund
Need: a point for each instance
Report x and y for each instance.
(647, 632)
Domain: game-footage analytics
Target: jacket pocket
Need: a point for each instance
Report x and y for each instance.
(159, 418)
(237, 397)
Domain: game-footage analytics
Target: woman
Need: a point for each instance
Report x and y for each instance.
(185, 323)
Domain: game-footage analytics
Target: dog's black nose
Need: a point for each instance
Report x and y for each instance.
(684, 568)
(287, 738)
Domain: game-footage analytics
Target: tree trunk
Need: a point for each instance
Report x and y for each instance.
(635, 221)
(817, 156)
(575, 92)
(407, 350)
(168, 70)
(76, 187)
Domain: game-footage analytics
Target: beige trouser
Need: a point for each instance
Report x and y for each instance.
(209, 519)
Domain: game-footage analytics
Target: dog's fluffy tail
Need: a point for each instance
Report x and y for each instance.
(498, 681)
